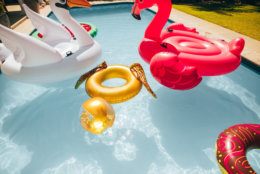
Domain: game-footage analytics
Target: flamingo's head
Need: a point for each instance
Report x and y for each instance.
(139, 5)
(66, 4)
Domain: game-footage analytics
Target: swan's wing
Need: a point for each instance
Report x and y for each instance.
(27, 50)
(53, 32)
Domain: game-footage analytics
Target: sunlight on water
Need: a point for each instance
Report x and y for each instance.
(125, 151)
(74, 166)
(13, 157)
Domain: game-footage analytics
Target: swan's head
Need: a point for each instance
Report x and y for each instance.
(66, 4)
(139, 5)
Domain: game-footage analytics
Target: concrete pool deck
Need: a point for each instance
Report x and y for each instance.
(251, 52)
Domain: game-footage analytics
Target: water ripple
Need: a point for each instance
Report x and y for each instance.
(74, 166)
(226, 84)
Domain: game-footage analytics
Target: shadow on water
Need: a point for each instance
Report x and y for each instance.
(190, 121)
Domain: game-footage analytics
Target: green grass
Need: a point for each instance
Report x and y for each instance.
(244, 19)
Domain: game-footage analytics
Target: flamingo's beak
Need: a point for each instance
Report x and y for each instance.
(78, 3)
(136, 12)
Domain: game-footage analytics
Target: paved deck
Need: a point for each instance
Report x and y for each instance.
(251, 51)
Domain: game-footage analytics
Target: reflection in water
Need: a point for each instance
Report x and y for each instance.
(226, 84)
(74, 166)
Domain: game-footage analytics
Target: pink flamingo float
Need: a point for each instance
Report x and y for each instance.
(179, 56)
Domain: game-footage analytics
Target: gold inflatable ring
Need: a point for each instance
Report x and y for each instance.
(95, 88)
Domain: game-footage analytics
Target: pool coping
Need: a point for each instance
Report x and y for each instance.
(250, 54)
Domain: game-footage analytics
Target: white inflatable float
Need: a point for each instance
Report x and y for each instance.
(52, 32)
(4, 52)
(57, 58)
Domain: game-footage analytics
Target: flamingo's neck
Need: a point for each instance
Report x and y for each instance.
(83, 38)
(153, 31)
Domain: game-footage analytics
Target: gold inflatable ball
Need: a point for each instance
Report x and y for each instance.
(97, 115)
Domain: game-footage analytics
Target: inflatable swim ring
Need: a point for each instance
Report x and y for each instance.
(232, 145)
(134, 76)
(117, 94)
(90, 28)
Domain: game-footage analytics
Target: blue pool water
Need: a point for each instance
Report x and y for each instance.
(40, 132)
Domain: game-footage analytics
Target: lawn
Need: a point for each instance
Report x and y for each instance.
(244, 19)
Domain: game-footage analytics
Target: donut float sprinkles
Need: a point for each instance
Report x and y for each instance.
(232, 145)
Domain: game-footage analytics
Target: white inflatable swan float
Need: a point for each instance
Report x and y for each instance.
(58, 58)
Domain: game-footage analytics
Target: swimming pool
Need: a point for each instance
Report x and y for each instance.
(40, 130)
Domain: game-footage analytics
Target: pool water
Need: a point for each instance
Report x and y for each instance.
(40, 131)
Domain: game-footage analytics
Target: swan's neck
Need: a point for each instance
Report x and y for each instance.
(83, 38)
(154, 29)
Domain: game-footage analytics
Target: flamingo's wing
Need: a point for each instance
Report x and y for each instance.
(52, 32)
(27, 50)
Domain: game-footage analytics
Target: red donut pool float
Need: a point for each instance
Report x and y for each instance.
(179, 56)
(232, 145)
